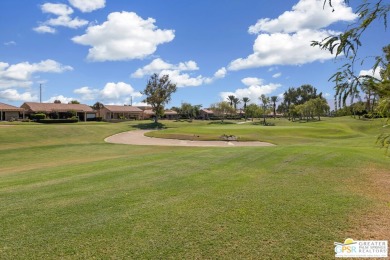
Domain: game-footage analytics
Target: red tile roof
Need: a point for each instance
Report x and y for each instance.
(122, 109)
(207, 111)
(56, 107)
(170, 112)
(6, 107)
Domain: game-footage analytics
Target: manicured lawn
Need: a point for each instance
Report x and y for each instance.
(64, 193)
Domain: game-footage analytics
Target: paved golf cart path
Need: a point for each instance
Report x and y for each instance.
(137, 137)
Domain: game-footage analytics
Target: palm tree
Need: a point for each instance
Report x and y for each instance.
(97, 106)
(230, 99)
(274, 99)
(245, 100)
(236, 101)
(265, 101)
(290, 98)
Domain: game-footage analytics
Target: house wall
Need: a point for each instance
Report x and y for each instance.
(205, 115)
(108, 115)
(172, 117)
(10, 114)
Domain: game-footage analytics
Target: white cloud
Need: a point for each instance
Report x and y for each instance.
(112, 93)
(86, 6)
(87, 93)
(63, 13)
(277, 75)
(67, 21)
(20, 74)
(183, 79)
(284, 49)
(221, 73)
(287, 39)
(158, 65)
(56, 9)
(124, 36)
(372, 73)
(252, 81)
(61, 98)
(306, 14)
(143, 104)
(10, 43)
(255, 88)
(14, 95)
(175, 72)
(118, 91)
(45, 29)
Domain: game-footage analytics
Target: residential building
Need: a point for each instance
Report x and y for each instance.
(59, 110)
(113, 112)
(8, 112)
(206, 114)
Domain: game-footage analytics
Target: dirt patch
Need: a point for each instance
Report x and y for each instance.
(137, 137)
(374, 224)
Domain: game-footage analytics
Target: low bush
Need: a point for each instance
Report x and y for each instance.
(57, 121)
(38, 116)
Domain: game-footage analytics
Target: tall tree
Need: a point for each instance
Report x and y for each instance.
(252, 111)
(274, 99)
(158, 93)
(222, 109)
(319, 106)
(74, 102)
(98, 106)
(246, 101)
(264, 105)
(290, 97)
(236, 101)
(231, 98)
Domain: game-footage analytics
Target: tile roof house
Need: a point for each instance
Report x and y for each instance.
(168, 114)
(84, 112)
(206, 113)
(112, 112)
(8, 112)
(171, 115)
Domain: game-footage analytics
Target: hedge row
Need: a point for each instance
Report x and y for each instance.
(57, 121)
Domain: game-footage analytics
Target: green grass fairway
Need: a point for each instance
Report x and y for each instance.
(66, 194)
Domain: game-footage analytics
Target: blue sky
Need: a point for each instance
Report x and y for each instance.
(105, 50)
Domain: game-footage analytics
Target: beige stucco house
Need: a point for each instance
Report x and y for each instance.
(8, 112)
(83, 112)
(112, 112)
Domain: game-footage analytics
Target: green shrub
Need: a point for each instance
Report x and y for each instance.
(38, 116)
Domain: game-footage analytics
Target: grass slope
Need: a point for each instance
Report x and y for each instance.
(64, 193)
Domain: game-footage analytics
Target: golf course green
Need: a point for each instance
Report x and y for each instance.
(65, 193)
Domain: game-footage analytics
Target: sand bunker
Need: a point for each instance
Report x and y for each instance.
(137, 137)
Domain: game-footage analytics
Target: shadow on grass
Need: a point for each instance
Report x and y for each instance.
(221, 123)
(184, 120)
(153, 125)
(262, 123)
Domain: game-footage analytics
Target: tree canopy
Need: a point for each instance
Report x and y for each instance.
(222, 109)
(158, 93)
(347, 82)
